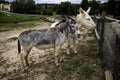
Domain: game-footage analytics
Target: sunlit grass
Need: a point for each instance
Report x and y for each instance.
(10, 22)
(16, 19)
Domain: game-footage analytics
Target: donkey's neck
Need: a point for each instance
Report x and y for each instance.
(79, 24)
(64, 30)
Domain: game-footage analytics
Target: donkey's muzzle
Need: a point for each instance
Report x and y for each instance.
(78, 35)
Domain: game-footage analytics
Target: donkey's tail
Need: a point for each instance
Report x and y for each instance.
(19, 48)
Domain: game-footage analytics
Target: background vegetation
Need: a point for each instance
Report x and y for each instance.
(29, 7)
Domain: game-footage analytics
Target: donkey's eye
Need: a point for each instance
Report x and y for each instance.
(88, 19)
(72, 26)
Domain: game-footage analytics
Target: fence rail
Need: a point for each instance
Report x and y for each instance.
(43, 17)
(109, 46)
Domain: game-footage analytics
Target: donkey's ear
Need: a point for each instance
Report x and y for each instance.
(82, 12)
(88, 10)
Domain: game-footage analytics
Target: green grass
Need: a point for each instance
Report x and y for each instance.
(16, 19)
(10, 22)
(86, 73)
(90, 51)
(13, 39)
(3, 30)
(16, 25)
(9, 26)
(92, 41)
(75, 63)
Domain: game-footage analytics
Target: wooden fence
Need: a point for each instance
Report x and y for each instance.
(109, 46)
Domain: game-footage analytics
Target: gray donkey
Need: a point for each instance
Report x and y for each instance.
(73, 35)
(44, 39)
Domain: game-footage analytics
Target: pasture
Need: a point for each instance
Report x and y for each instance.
(85, 65)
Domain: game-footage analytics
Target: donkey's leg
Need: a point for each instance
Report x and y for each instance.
(56, 52)
(26, 56)
(22, 59)
(68, 45)
(74, 45)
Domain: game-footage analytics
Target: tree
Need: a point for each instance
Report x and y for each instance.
(117, 10)
(95, 6)
(85, 4)
(3, 1)
(111, 6)
(66, 8)
(39, 9)
(103, 8)
(23, 6)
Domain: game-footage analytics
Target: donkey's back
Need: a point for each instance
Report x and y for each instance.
(39, 38)
(44, 39)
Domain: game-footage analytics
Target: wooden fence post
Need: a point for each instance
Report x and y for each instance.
(101, 25)
(108, 75)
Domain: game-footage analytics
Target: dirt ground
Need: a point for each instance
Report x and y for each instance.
(42, 66)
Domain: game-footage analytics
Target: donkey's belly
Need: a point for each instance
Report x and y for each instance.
(45, 46)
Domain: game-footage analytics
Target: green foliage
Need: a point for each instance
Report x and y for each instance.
(3, 1)
(114, 7)
(95, 6)
(39, 9)
(47, 12)
(44, 10)
(84, 4)
(103, 8)
(111, 6)
(66, 8)
(23, 6)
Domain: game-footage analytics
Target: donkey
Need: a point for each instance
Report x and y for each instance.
(84, 20)
(54, 24)
(44, 39)
(74, 35)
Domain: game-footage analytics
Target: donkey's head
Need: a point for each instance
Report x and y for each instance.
(84, 19)
(74, 26)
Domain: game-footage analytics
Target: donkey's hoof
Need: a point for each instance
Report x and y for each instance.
(57, 64)
(75, 52)
(61, 60)
(68, 52)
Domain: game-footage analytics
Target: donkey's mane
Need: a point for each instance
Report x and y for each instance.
(60, 22)
(71, 18)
